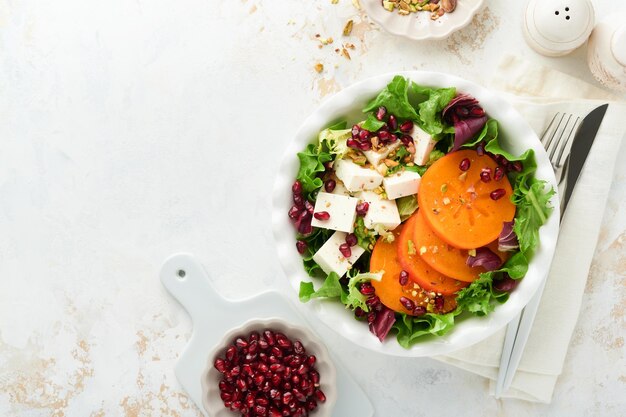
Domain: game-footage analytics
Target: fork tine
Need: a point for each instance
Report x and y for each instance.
(559, 141)
(544, 135)
(571, 134)
(548, 145)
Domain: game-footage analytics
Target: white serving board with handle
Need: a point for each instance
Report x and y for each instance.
(212, 316)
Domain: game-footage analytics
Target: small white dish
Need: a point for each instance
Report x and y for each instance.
(516, 136)
(419, 26)
(328, 375)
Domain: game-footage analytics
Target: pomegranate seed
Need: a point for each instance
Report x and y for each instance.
(365, 146)
(497, 194)
(299, 395)
(220, 365)
(364, 135)
(462, 112)
(294, 212)
(465, 164)
(298, 200)
(362, 208)
(406, 303)
(381, 113)
(246, 369)
(358, 312)
(263, 356)
(498, 174)
(384, 135)
(366, 289)
(301, 246)
(276, 380)
(259, 379)
(372, 301)
(298, 347)
(308, 206)
(269, 336)
(305, 227)
(286, 411)
(355, 130)
(485, 175)
(311, 404)
(254, 336)
(406, 127)
(235, 371)
(419, 311)
(260, 410)
(315, 377)
(322, 215)
(351, 239)
(371, 317)
(241, 385)
(241, 343)
(223, 385)
(516, 166)
(302, 369)
(262, 367)
(226, 396)
(477, 111)
(406, 140)
(287, 398)
(393, 122)
(352, 143)
(296, 380)
(319, 394)
(274, 394)
(277, 367)
(330, 185)
(345, 250)
(394, 138)
(310, 361)
(296, 188)
(480, 149)
(228, 403)
(284, 343)
(439, 302)
(253, 346)
(287, 386)
(274, 412)
(263, 344)
(404, 277)
(230, 353)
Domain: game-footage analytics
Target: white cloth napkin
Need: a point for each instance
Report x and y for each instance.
(539, 93)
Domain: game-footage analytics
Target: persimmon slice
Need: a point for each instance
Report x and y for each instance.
(419, 271)
(458, 206)
(388, 289)
(445, 258)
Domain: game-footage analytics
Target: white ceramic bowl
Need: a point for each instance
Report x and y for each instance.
(328, 375)
(418, 26)
(515, 135)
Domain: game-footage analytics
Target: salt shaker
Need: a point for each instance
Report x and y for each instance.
(606, 55)
(558, 27)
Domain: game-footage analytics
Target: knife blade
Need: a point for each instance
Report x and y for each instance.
(581, 146)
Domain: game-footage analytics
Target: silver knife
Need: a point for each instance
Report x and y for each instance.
(580, 148)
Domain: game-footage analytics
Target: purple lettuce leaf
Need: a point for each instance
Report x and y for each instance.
(507, 241)
(381, 326)
(485, 258)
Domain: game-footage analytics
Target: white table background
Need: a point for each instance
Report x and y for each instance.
(131, 130)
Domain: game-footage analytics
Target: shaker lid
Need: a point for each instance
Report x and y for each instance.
(618, 45)
(560, 25)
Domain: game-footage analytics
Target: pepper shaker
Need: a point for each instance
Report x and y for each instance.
(558, 27)
(606, 55)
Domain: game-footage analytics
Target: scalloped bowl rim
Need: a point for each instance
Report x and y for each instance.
(328, 373)
(413, 27)
(470, 330)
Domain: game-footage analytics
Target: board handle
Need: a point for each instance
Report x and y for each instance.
(187, 281)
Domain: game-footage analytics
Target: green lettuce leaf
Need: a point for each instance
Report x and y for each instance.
(372, 123)
(410, 329)
(314, 242)
(533, 210)
(432, 101)
(406, 206)
(395, 99)
(366, 238)
(312, 161)
(354, 298)
(334, 142)
(331, 288)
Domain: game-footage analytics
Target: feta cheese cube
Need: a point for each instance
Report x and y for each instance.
(357, 178)
(424, 145)
(381, 211)
(376, 157)
(330, 259)
(402, 184)
(342, 211)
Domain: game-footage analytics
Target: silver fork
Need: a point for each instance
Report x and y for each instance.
(557, 141)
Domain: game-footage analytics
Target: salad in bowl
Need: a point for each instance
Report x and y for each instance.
(413, 213)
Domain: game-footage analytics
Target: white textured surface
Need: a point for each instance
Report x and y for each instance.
(120, 124)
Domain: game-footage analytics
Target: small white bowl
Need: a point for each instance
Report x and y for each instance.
(328, 375)
(418, 26)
